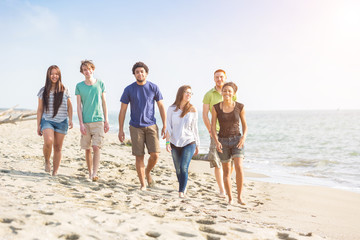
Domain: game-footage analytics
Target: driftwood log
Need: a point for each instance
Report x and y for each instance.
(12, 116)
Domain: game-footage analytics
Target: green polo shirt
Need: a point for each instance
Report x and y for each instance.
(213, 97)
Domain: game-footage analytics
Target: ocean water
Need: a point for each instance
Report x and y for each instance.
(296, 147)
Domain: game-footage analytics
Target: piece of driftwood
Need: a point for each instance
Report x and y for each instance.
(12, 116)
(7, 111)
(201, 157)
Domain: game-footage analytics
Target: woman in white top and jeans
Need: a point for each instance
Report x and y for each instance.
(182, 138)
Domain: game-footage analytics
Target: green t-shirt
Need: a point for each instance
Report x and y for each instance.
(91, 100)
(213, 97)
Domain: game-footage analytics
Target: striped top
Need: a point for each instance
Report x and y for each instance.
(62, 112)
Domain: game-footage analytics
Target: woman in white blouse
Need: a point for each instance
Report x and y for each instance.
(182, 138)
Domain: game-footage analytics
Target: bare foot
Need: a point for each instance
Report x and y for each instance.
(230, 201)
(241, 202)
(54, 173)
(152, 184)
(95, 178)
(222, 195)
(148, 178)
(47, 166)
(142, 188)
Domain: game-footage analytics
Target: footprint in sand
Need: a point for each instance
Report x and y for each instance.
(97, 188)
(52, 223)
(171, 209)
(44, 212)
(184, 234)
(212, 237)
(15, 229)
(6, 220)
(71, 236)
(206, 221)
(211, 230)
(153, 234)
(78, 195)
(241, 230)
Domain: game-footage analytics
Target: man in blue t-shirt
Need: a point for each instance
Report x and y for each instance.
(143, 129)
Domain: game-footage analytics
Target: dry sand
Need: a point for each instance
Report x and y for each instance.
(35, 205)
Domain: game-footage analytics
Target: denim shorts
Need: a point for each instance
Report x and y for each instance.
(61, 127)
(229, 149)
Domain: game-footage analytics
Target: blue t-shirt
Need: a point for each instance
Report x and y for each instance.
(141, 99)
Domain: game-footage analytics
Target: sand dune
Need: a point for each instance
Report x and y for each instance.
(35, 205)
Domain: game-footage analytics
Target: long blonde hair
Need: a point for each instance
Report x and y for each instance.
(179, 97)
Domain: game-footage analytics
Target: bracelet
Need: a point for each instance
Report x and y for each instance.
(167, 143)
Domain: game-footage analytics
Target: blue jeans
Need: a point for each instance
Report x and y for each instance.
(182, 157)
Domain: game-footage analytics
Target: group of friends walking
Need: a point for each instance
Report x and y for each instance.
(180, 125)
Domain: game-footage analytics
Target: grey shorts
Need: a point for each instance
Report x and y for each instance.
(229, 149)
(213, 156)
(146, 135)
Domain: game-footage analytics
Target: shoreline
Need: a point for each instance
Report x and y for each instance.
(32, 203)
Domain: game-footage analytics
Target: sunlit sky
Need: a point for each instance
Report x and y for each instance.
(283, 55)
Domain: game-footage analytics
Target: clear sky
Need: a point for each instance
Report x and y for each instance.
(283, 55)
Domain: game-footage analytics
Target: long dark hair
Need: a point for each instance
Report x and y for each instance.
(179, 97)
(59, 90)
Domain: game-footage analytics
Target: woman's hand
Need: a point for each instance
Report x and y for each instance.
(241, 142)
(39, 131)
(219, 147)
(168, 148)
(196, 151)
(71, 125)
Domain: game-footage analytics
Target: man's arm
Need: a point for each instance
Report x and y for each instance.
(80, 116)
(213, 130)
(104, 107)
(70, 113)
(122, 113)
(205, 116)
(163, 117)
(39, 114)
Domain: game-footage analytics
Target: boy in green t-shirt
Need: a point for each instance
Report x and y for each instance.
(93, 116)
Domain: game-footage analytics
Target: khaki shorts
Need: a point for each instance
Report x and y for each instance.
(146, 135)
(213, 156)
(94, 135)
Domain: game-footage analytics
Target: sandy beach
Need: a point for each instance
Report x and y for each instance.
(35, 205)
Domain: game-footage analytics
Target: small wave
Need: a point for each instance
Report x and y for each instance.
(354, 154)
(309, 163)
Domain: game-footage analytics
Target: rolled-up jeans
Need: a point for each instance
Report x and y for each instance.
(182, 157)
